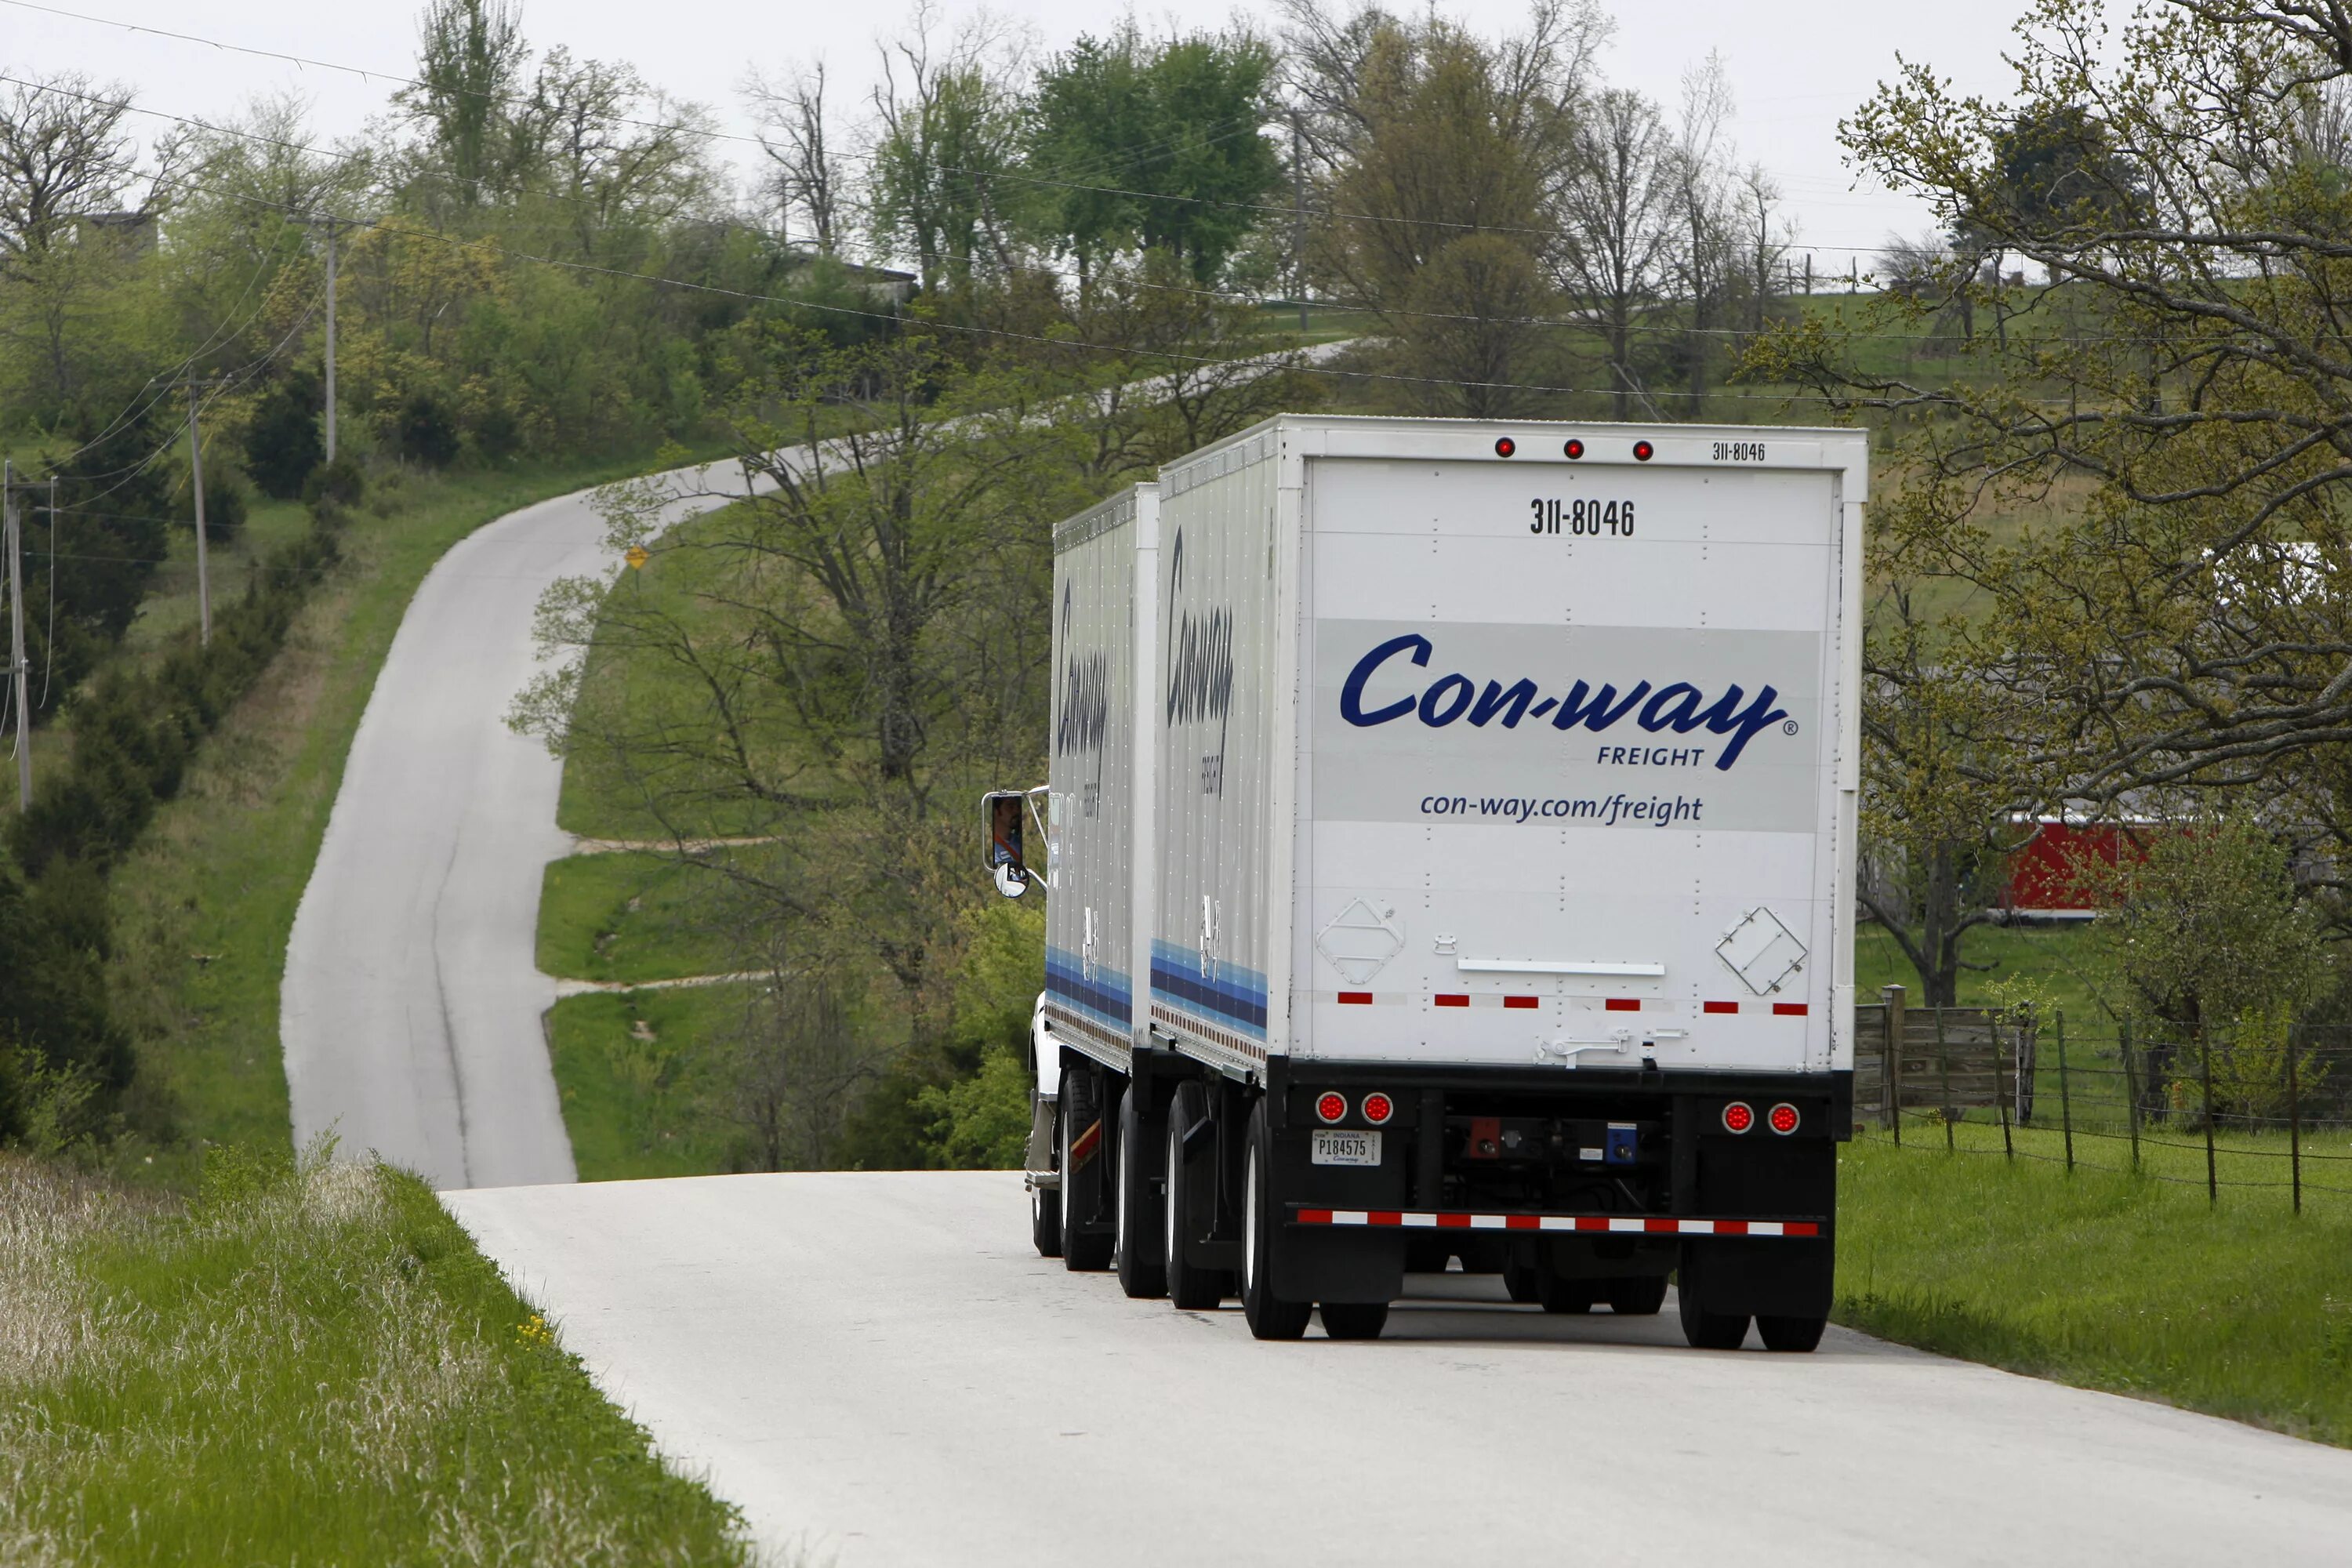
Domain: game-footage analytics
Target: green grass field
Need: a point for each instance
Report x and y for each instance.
(2105, 1279)
(311, 1366)
(632, 916)
(636, 1071)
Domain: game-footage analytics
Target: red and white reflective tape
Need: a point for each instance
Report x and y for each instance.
(1601, 1223)
(1522, 999)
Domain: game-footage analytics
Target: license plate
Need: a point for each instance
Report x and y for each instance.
(1345, 1148)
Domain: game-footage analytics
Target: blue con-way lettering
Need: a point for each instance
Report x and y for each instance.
(1678, 706)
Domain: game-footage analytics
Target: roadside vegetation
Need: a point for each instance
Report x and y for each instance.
(304, 1360)
(2103, 1278)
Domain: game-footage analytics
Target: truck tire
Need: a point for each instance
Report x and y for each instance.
(1354, 1319)
(1708, 1331)
(1142, 1271)
(1080, 1102)
(1523, 1281)
(1640, 1296)
(1193, 1289)
(1270, 1318)
(1790, 1334)
(1045, 1221)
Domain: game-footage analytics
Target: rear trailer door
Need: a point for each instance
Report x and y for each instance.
(1569, 761)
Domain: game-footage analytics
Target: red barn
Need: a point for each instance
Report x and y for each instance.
(2042, 871)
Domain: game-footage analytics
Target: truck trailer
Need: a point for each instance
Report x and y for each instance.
(1448, 858)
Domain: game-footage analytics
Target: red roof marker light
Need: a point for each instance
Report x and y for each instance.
(1575, 448)
(1644, 451)
(1505, 446)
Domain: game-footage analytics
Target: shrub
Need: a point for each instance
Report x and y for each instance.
(225, 504)
(332, 485)
(427, 432)
(282, 444)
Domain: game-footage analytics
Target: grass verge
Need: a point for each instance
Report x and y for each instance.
(205, 905)
(405, 1405)
(638, 1073)
(630, 916)
(2103, 1278)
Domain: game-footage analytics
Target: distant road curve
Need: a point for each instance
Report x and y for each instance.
(410, 1011)
(882, 1372)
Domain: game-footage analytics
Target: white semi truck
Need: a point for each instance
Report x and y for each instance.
(1448, 854)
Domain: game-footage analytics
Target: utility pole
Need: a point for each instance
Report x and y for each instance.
(1298, 217)
(16, 662)
(196, 479)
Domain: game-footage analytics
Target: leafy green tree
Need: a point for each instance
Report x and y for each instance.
(1153, 145)
(2141, 488)
(282, 443)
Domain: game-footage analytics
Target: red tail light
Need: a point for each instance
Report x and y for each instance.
(1378, 1108)
(1505, 446)
(1331, 1106)
(1739, 1116)
(1782, 1119)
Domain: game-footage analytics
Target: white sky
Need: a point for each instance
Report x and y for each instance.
(1795, 67)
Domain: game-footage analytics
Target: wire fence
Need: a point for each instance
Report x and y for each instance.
(2227, 1109)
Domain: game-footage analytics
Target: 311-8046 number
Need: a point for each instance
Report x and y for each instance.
(1583, 518)
(1740, 451)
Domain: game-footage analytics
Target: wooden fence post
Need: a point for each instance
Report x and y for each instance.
(2205, 1071)
(2294, 1123)
(2131, 1090)
(2065, 1099)
(1890, 1076)
(2001, 1092)
(1944, 1066)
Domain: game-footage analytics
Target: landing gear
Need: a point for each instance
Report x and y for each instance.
(1192, 1200)
(1270, 1318)
(1141, 1236)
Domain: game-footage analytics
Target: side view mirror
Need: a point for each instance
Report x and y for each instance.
(1007, 860)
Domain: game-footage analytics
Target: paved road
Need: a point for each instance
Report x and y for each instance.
(881, 1371)
(411, 1006)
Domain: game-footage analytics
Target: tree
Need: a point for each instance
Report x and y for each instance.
(2144, 486)
(868, 650)
(1440, 155)
(941, 185)
(2205, 926)
(1619, 198)
(795, 132)
(1153, 145)
(469, 62)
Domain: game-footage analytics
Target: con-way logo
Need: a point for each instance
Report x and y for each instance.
(1678, 707)
(1085, 716)
(1200, 666)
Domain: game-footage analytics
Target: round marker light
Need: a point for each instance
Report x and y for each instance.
(1644, 451)
(1331, 1106)
(1505, 446)
(1378, 1108)
(1782, 1119)
(1575, 448)
(1739, 1116)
